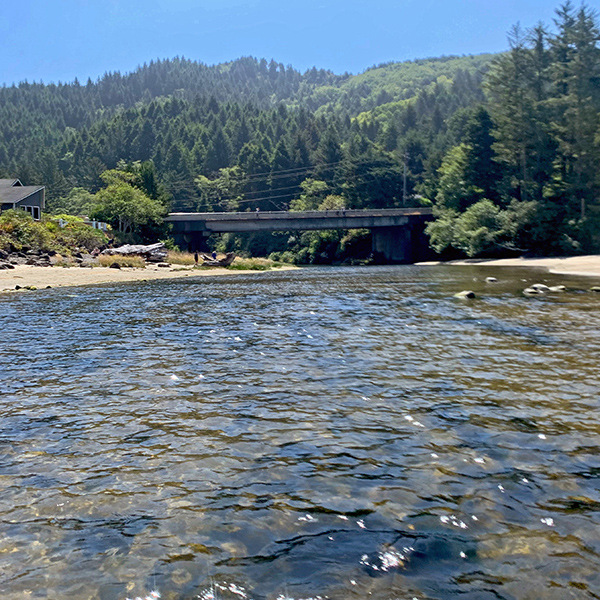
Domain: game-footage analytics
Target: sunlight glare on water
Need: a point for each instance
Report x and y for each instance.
(324, 433)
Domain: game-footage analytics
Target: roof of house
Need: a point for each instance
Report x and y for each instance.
(13, 191)
(9, 183)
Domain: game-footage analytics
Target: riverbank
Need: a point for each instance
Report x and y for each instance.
(27, 276)
(588, 266)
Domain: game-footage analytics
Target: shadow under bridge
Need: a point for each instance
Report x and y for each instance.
(398, 234)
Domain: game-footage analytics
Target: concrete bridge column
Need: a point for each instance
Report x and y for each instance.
(192, 241)
(394, 243)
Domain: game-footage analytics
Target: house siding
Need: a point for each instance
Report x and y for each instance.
(15, 195)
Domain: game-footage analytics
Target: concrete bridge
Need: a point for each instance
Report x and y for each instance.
(398, 233)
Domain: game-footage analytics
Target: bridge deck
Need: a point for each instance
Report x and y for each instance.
(285, 215)
(298, 221)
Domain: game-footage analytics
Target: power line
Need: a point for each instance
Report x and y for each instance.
(222, 201)
(289, 187)
(237, 200)
(264, 198)
(285, 173)
(296, 169)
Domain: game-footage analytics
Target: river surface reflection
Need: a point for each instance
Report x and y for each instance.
(342, 433)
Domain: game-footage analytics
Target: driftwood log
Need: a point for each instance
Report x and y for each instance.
(152, 253)
(221, 262)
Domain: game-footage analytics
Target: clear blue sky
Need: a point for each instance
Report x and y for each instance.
(54, 40)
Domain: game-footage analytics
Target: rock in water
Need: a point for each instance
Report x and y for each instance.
(491, 279)
(595, 288)
(540, 287)
(465, 294)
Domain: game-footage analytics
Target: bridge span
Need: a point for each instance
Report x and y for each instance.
(398, 233)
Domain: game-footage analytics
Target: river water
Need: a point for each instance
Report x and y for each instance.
(348, 433)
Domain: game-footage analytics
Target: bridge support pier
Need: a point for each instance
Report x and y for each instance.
(394, 244)
(192, 241)
(406, 245)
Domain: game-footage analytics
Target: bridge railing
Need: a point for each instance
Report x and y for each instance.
(313, 214)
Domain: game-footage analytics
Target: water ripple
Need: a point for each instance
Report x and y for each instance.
(340, 433)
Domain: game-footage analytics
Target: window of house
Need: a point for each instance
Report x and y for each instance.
(34, 211)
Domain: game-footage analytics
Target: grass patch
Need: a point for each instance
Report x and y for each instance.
(123, 261)
(251, 264)
(176, 257)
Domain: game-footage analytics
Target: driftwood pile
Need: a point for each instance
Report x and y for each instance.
(220, 262)
(152, 253)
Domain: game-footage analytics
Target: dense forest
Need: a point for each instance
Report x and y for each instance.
(504, 147)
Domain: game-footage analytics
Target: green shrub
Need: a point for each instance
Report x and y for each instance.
(81, 236)
(288, 257)
(170, 244)
(5, 241)
(22, 231)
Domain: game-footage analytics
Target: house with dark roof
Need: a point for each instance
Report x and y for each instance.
(31, 198)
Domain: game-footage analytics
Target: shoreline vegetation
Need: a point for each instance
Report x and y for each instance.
(29, 277)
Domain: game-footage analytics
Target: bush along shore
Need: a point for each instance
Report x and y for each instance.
(67, 241)
(53, 240)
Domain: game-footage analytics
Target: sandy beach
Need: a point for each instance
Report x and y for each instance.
(571, 265)
(42, 277)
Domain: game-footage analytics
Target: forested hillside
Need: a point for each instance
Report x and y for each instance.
(505, 146)
(191, 119)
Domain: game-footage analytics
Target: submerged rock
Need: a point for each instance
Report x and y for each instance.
(465, 294)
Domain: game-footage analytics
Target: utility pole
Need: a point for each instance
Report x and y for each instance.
(404, 183)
